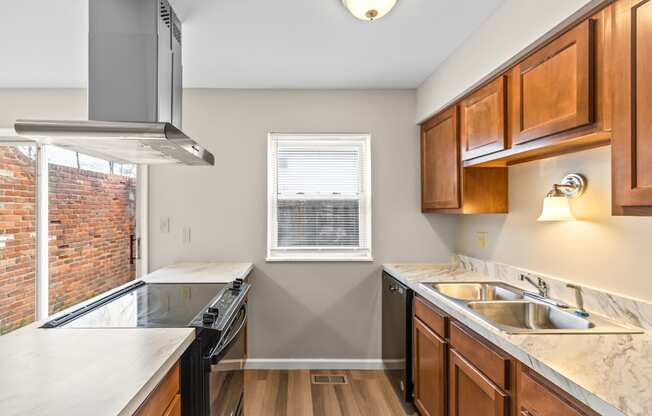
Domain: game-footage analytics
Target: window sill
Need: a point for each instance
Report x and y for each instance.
(326, 259)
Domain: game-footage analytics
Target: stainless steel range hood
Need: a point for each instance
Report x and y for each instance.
(125, 142)
(134, 90)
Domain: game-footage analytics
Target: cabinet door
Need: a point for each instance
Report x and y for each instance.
(429, 361)
(482, 120)
(440, 162)
(552, 90)
(632, 133)
(471, 393)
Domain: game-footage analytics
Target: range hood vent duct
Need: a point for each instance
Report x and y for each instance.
(134, 90)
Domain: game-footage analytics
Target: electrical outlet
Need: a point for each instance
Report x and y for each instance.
(164, 225)
(186, 235)
(482, 239)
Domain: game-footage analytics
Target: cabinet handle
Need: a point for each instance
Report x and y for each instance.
(526, 413)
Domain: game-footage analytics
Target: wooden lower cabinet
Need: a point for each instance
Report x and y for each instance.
(429, 370)
(457, 372)
(165, 400)
(471, 392)
(174, 409)
(538, 397)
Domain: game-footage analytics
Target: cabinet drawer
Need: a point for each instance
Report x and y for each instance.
(494, 364)
(536, 397)
(431, 316)
(162, 397)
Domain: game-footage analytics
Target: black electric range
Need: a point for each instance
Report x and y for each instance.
(212, 369)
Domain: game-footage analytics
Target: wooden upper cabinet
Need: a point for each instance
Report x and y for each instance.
(483, 122)
(632, 120)
(440, 162)
(552, 89)
(429, 370)
(471, 392)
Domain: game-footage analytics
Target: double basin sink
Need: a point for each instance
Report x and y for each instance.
(515, 311)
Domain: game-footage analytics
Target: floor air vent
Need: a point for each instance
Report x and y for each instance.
(323, 379)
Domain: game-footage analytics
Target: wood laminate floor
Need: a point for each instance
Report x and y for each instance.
(291, 393)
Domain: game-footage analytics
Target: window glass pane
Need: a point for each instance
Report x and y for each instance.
(321, 169)
(315, 223)
(17, 232)
(92, 207)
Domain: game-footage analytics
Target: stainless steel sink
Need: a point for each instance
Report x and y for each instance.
(480, 291)
(516, 311)
(538, 318)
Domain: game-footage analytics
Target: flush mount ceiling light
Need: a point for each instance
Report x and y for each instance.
(555, 204)
(369, 10)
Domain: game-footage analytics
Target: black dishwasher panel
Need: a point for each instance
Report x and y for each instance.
(397, 335)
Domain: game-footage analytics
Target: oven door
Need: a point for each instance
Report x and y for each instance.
(226, 378)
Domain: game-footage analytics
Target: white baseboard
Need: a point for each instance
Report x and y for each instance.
(313, 364)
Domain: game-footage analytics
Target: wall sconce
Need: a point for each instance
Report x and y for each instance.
(555, 204)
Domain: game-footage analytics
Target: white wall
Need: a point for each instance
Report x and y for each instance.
(598, 250)
(38, 103)
(298, 310)
(514, 26)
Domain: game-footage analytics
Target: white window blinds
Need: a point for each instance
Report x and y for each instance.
(319, 197)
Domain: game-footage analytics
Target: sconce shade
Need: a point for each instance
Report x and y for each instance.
(556, 208)
(369, 9)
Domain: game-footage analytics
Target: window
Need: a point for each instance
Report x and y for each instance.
(92, 226)
(319, 197)
(65, 237)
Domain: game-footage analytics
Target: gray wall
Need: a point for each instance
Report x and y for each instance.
(298, 310)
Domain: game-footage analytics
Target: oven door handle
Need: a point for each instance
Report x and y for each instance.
(216, 353)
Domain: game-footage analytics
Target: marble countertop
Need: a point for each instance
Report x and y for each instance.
(81, 372)
(200, 272)
(99, 372)
(610, 373)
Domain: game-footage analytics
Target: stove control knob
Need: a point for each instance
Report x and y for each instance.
(214, 310)
(237, 283)
(209, 318)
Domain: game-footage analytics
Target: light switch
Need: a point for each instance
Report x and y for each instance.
(482, 239)
(186, 235)
(164, 225)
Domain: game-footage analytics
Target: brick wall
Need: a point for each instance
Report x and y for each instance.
(17, 186)
(92, 216)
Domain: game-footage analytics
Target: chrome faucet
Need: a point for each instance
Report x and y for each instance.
(579, 301)
(540, 284)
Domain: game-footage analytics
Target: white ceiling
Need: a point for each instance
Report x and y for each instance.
(253, 43)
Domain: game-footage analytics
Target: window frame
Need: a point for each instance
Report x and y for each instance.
(319, 254)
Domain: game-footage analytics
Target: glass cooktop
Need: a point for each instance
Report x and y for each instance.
(151, 305)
